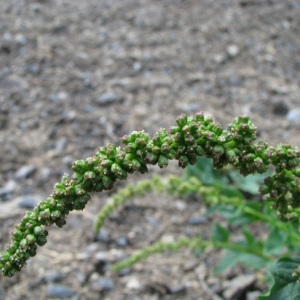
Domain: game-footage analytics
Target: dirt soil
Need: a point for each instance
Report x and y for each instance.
(76, 75)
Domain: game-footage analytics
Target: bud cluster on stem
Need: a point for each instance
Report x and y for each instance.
(192, 137)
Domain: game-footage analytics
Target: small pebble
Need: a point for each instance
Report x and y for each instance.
(28, 201)
(122, 241)
(8, 188)
(99, 283)
(108, 98)
(103, 235)
(21, 40)
(52, 276)
(25, 171)
(197, 221)
(59, 291)
(133, 284)
(294, 115)
(233, 51)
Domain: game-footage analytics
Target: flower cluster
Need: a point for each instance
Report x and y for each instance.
(192, 137)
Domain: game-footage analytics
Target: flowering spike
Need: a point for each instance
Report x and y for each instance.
(191, 137)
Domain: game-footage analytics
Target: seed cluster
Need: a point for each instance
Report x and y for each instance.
(192, 137)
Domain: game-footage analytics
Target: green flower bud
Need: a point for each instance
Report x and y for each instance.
(17, 235)
(61, 221)
(125, 139)
(162, 161)
(136, 164)
(130, 148)
(151, 158)
(92, 161)
(178, 137)
(79, 166)
(89, 175)
(171, 154)
(77, 178)
(297, 172)
(32, 250)
(199, 117)
(81, 201)
(39, 231)
(218, 150)
(189, 139)
(79, 190)
(200, 141)
(118, 171)
(199, 151)
(55, 214)
(31, 239)
(174, 129)
(193, 126)
(156, 150)
(108, 183)
(244, 119)
(106, 163)
(182, 120)
(23, 244)
(98, 187)
(41, 240)
(45, 215)
(143, 169)
(88, 185)
(183, 161)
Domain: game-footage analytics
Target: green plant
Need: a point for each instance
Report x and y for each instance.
(192, 137)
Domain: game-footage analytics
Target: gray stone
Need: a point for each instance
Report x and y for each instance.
(28, 201)
(103, 235)
(25, 171)
(233, 51)
(59, 291)
(99, 283)
(52, 276)
(34, 69)
(60, 144)
(108, 98)
(294, 115)
(8, 188)
(122, 241)
(153, 221)
(253, 295)
(197, 221)
(238, 285)
(21, 40)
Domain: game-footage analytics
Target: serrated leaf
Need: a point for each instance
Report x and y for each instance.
(284, 284)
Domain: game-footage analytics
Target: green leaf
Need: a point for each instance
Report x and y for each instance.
(227, 261)
(249, 184)
(204, 170)
(284, 284)
(276, 242)
(220, 234)
(250, 238)
(232, 257)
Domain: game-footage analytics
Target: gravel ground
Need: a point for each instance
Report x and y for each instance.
(75, 75)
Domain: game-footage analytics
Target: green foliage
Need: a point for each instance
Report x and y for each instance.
(284, 282)
(191, 138)
(222, 196)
